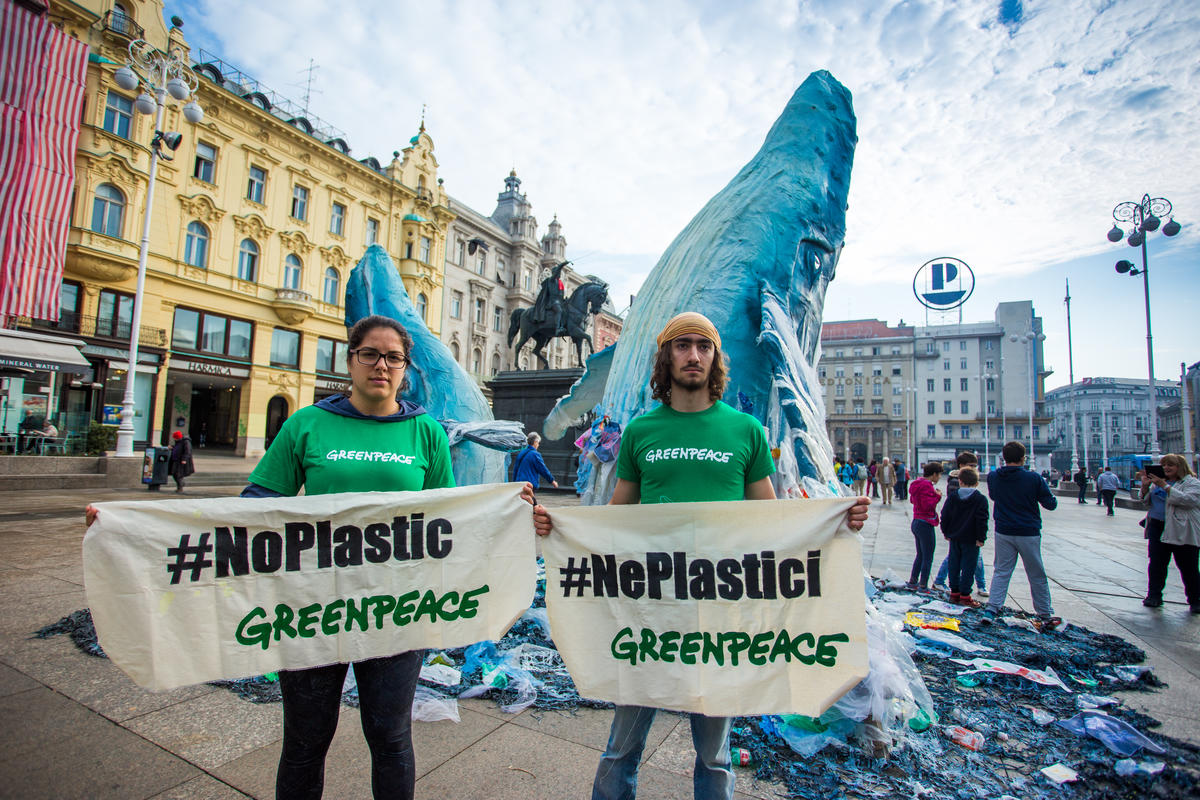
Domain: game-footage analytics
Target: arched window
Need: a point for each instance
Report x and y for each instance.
(195, 248)
(333, 283)
(476, 361)
(495, 364)
(108, 210)
(291, 272)
(422, 306)
(454, 351)
(248, 260)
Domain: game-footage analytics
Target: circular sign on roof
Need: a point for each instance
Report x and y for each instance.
(943, 283)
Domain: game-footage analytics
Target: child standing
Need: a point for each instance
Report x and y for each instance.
(964, 523)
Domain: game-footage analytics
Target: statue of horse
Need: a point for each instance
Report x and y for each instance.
(587, 299)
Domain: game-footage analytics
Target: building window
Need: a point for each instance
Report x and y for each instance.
(248, 260)
(946, 365)
(947, 406)
(930, 407)
(931, 431)
(211, 333)
(965, 406)
(426, 249)
(337, 219)
(821, 372)
(858, 409)
(206, 163)
(858, 370)
(481, 262)
(291, 272)
(895, 409)
(1037, 432)
(118, 114)
(991, 384)
(989, 365)
(114, 317)
(897, 433)
(500, 266)
(331, 288)
(839, 408)
(1018, 432)
(839, 390)
(877, 390)
(527, 281)
(479, 312)
(946, 346)
(461, 253)
(839, 372)
(877, 408)
(108, 210)
(1095, 438)
(962, 345)
(454, 351)
(331, 356)
(497, 318)
(256, 184)
(285, 348)
(195, 247)
(456, 307)
(299, 202)
(895, 370)
(947, 431)
(929, 384)
(858, 391)
(896, 389)
(946, 384)
(962, 363)
(963, 385)
(989, 344)
(858, 351)
(999, 431)
(476, 361)
(964, 432)
(372, 231)
(876, 371)
(991, 407)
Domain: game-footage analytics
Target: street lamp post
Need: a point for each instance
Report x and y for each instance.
(1029, 337)
(983, 378)
(159, 74)
(1071, 379)
(1145, 216)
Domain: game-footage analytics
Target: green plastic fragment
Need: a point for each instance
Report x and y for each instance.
(967, 680)
(272, 676)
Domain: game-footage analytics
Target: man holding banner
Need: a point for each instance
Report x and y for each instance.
(691, 448)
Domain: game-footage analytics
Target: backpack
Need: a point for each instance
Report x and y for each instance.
(861, 473)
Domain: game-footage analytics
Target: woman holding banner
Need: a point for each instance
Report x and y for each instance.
(371, 418)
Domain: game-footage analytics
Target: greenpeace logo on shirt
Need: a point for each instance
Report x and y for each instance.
(687, 454)
(368, 455)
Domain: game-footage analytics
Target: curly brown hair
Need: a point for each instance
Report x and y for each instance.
(660, 378)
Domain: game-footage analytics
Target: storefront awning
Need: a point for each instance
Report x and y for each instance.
(25, 350)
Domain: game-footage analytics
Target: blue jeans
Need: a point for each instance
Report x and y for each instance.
(922, 531)
(963, 556)
(944, 570)
(616, 777)
(312, 701)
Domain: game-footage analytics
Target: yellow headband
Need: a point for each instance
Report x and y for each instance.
(689, 322)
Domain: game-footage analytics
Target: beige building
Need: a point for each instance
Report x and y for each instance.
(257, 221)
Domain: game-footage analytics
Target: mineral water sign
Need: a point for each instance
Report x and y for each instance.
(943, 283)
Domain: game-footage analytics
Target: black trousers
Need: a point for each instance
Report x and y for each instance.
(963, 558)
(1108, 495)
(1082, 493)
(1187, 560)
(311, 706)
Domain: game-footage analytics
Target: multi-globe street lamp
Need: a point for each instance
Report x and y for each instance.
(1145, 217)
(159, 74)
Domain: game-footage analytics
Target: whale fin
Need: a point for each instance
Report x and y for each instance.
(584, 394)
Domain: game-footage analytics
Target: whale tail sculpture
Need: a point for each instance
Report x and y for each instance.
(435, 380)
(756, 261)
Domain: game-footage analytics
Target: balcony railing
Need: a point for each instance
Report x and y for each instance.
(122, 25)
(102, 328)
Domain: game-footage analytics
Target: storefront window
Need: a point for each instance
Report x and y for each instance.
(331, 356)
(187, 322)
(213, 340)
(114, 393)
(211, 333)
(285, 347)
(239, 338)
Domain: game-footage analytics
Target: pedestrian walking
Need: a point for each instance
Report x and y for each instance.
(689, 379)
(860, 478)
(901, 480)
(872, 477)
(528, 464)
(1178, 534)
(886, 476)
(1016, 495)
(925, 498)
(1107, 484)
(1081, 480)
(180, 463)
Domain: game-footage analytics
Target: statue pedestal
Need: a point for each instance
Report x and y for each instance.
(527, 396)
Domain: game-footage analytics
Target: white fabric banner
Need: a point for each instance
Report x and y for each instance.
(723, 608)
(186, 591)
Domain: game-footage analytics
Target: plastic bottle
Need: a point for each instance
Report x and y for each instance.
(740, 757)
(965, 737)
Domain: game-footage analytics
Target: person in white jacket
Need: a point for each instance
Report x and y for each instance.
(1181, 528)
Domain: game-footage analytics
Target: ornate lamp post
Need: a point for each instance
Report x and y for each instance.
(159, 74)
(1145, 217)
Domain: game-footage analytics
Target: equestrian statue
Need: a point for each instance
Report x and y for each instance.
(552, 316)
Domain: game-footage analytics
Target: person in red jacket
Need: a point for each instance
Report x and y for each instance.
(924, 496)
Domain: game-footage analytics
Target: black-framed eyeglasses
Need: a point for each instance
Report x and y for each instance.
(369, 357)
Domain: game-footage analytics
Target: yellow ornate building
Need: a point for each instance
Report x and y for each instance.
(256, 224)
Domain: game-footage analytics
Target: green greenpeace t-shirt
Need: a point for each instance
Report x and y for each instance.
(327, 453)
(678, 457)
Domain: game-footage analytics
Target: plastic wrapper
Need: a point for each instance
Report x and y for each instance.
(919, 620)
(942, 607)
(1088, 702)
(496, 434)
(952, 640)
(1118, 736)
(1127, 766)
(1046, 677)
(430, 705)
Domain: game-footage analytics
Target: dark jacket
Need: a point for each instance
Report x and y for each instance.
(965, 519)
(180, 464)
(528, 465)
(1016, 494)
(1081, 479)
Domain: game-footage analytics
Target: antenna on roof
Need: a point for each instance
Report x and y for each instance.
(308, 90)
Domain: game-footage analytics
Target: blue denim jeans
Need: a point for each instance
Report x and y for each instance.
(944, 569)
(616, 777)
(311, 704)
(922, 532)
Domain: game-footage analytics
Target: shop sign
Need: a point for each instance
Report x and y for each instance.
(209, 368)
(330, 385)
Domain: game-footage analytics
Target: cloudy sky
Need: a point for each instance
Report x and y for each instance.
(1002, 133)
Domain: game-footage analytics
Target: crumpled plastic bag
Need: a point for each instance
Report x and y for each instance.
(430, 705)
(919, 620)
(498, 434)
(952, 639)
(1117, 735)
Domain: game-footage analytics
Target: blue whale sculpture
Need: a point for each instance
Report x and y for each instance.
(435, 380)
(756, 261)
